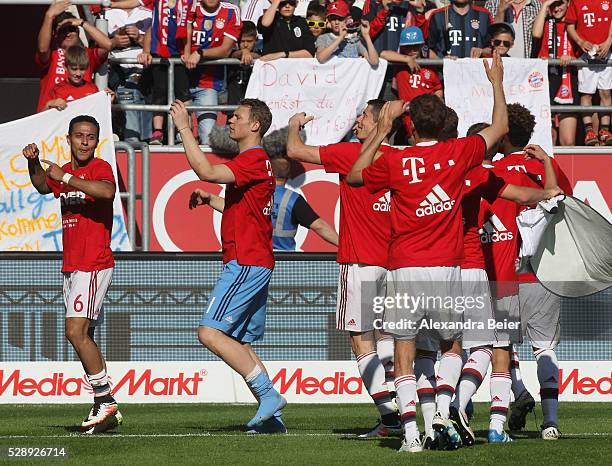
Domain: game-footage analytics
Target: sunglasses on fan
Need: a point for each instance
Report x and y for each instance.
(315, 24)
(505, 43)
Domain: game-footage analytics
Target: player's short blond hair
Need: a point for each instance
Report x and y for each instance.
(77, 56)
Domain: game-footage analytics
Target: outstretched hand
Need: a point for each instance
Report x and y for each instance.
(495, 71)
(300, 119)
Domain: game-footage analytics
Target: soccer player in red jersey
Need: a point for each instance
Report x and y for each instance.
(362, 254)
(589, 24)
(213, 27)
(235, 315)
(59, 31)
(483, 186)
(75, 87)
(426, 183)
(539, 309)
(86, 187)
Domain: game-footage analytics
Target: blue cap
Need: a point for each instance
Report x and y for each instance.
(411, 35)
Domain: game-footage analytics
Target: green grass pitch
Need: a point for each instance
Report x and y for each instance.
(318, 434)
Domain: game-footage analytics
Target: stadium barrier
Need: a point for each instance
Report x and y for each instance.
(171, 62)
(149, 337)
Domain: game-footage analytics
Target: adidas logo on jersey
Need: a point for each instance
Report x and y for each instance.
(496, 399)
(351, 323)
(383, 204)
(267, 210)
(494, 230)
(435, 202)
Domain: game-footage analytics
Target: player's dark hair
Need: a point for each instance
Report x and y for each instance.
(281, 168)
(77, 56)
(477, 128)
(84, 119)
(521, 123)
(428, 113)
(259, 112)
(451, 123)
(377, 105)
(248, 29)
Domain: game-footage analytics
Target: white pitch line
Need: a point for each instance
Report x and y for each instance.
(209, 434)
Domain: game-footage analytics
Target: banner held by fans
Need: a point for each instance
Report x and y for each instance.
(468, 91)
(31, 221)
(334, 92)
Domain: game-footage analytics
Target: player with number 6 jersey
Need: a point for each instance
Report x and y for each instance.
(86, 188)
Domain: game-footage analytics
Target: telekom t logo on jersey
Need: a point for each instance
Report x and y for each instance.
(589, 19)
(455, 37)
(412, 167)
(415, 80)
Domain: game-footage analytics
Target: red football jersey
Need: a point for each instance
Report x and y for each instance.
(411, 85)
(208, 31)
(534, 178)
(69, 92)
(54, 72)
(480, 183)
(246, 225)
(592, 19)
(169, 28)
(86, 222)
(365, 220)
(426, 183)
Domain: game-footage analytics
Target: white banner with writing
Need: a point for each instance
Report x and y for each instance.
(468, 91)
(335, 92)
(28, 220)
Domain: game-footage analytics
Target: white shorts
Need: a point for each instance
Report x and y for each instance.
(540, 315)
(84, 293)
(592, 78)
(434, 290)
(507, 314)
(475, 284)
(358, 286)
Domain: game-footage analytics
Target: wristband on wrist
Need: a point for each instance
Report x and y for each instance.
(82, 23)
(184, 127)
(66, 178)
(286, 54)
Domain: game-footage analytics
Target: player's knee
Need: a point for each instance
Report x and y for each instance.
(75, 334)
(208, 336)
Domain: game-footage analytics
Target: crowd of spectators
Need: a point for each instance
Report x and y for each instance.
(248, 30)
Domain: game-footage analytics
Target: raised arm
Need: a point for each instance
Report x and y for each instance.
(499, 127)
(197, 159)
(268, 17)
(98, 189)
(550, 177)
(372, 54)
(45, 34)
(324, 53)
(528, 196)
(36, 171)
(389, 112)
(540, 21)
(296, 149)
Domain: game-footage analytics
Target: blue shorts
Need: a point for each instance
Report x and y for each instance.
(237, 304)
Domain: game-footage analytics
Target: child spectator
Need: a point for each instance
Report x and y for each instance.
(285, 35)
(589, 24)
(339, 43)
(412, 83)
(59, 31)
(316, 20)
(550, 29)
(501, 38)
(213, 29)
(75, 87)
(127, 29)
(521, 14)
(238, 76)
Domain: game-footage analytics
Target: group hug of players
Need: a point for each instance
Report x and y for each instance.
(439, 213)
(451, 223)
